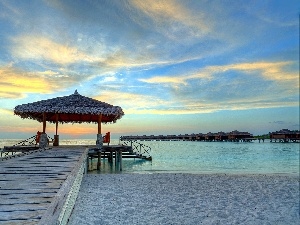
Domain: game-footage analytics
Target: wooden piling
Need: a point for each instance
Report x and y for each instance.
(120, 160)
(87, 164)
(116, 159)
(99, 161)
(110, 157)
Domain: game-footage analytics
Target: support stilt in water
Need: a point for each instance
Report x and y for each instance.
(110, 157)
(91, 163)
(120, 160)
(99, 161)
(116, 160)
(86, 165)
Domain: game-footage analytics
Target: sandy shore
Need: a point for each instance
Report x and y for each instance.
(187, 199)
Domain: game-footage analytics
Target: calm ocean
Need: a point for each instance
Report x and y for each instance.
(205, 157)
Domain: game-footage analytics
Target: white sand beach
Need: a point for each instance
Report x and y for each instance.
(187, 199)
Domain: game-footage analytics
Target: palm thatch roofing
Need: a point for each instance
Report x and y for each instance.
(74, 108)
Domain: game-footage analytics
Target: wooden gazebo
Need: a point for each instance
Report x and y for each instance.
(74, 108)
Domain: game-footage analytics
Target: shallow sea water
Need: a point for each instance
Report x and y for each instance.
(220, 157)
(205, 157)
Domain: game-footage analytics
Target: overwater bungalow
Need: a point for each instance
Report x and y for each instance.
(285, 135)
(221, 136)
(210, 137)
(236, 136)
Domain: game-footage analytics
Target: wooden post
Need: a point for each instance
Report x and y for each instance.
(44, 122)
(86, 164)
(99, 123)
(120, 160)
(56, 137)
(110, 156)
(116, 158)
(56, 117)
(99, 161)
(91, 162)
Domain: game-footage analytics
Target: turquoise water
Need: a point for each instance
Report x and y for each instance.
(206, 157)
(223, 157)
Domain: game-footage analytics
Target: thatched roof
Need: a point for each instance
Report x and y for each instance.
(74, 108)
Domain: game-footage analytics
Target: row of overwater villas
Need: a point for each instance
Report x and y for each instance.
(283, 135)
(220, 136)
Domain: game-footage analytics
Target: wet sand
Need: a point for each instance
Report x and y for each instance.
(187, 199)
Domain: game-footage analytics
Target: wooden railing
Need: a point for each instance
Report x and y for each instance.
(26, 145)
(138, 147)
(28, 141)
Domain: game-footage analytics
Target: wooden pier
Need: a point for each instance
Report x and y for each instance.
(37, 187)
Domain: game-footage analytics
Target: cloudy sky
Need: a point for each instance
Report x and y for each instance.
(175, 67)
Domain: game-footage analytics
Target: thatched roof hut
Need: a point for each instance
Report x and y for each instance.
(74, 108)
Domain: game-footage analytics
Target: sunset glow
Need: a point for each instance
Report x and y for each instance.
(173, 66)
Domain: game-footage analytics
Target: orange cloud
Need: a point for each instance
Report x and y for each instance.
(166, 79)
(269, 70)
(42, 48)
(131, 103)
(14, 83)
(38, 47)
(172, 11)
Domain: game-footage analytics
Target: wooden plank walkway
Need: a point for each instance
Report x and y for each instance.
(34, 188)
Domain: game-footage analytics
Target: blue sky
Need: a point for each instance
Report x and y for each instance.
(175, 67)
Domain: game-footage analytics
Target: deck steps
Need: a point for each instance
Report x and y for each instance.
(109, 152)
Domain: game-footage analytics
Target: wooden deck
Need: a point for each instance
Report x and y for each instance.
(36, 188)
(41, 186)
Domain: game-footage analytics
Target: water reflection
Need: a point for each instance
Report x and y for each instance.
(128, 165)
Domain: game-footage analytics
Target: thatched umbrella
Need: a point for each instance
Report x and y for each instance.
(74, 108)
